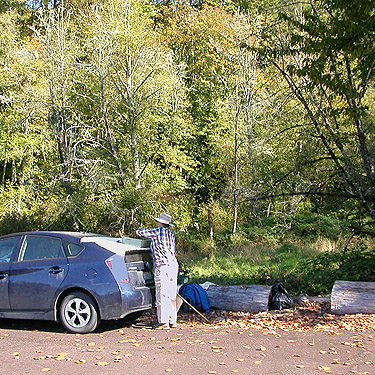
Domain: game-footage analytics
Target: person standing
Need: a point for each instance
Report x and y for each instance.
(163, 247)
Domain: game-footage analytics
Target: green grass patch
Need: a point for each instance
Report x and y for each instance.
(245, 264)
(308, 259)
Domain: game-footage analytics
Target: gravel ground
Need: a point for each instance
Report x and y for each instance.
(303, 340)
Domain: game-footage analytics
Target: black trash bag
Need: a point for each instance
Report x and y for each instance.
(280, 298)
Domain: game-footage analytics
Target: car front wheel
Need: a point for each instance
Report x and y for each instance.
(78, 313)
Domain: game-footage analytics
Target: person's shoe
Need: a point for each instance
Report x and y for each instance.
(173, 325)
(162, 326)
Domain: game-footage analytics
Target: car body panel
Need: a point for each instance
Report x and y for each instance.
(4, 298)
(8, 252)
(40, 279)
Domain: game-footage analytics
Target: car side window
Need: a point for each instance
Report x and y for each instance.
(7, 248)
(73, 249)
(38, 247)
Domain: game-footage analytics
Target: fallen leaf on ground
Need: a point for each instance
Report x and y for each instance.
(102, 363)
(80, 361)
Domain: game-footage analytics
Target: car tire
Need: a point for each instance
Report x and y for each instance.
(78, 313)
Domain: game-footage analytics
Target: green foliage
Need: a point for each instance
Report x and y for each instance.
(246, 263)
(317, 275)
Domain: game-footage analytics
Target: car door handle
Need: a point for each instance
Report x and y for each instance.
(3, 275)
(55, 270)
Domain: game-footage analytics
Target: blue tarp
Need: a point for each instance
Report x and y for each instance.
(195, 295)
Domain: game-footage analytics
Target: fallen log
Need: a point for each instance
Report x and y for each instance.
(352, 297)
(247, 298)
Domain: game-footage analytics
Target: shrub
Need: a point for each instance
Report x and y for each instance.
(318, 274)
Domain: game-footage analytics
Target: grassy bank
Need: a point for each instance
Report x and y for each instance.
(303, 267)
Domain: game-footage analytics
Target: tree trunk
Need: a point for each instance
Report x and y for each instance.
(352, 297)
(103, 105)
(236, 165)
(210, 223)
(247, 298)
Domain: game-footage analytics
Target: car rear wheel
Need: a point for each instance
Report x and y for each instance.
(78, 313)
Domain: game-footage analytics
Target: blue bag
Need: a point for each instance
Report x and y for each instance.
(196, 296)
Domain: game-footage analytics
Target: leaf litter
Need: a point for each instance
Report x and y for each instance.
(306, 316)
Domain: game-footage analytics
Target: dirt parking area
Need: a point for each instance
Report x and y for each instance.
(303, 340)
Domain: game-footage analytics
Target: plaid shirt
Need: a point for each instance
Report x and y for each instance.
(162, 244)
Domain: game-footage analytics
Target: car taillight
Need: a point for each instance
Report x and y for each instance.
(108, 263)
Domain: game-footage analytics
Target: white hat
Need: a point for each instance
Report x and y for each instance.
(164, 219)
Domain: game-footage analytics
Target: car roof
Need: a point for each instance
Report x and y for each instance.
(62, 234)
(108, 242)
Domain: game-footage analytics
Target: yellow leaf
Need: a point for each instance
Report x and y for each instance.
(102, 363)
(61, 356)
(239, 359)
(91, 344)
(80, 361)
(46, 369)
(168, 370)
(235, 370)
(212, 372)
(257, 362)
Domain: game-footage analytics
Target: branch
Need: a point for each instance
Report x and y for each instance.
(305, 193)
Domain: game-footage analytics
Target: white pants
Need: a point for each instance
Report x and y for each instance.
(166, 293)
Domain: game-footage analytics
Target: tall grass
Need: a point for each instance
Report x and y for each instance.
(303, 267)
(306, 259)
(245, 264)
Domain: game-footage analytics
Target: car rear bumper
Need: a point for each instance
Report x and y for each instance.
(131, 300)
(136, 300)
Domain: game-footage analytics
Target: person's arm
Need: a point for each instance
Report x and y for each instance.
(148, 233)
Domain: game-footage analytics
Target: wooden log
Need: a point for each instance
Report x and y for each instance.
(352, 297)
(247, 298)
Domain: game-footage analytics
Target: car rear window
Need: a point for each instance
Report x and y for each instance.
(40, 247)
(7, 247)
(73, 249)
